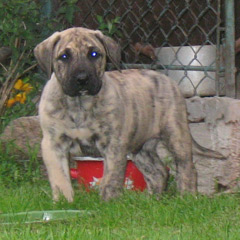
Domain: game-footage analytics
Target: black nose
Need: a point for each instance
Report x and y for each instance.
(82, 76)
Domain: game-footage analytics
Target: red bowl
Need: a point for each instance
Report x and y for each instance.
(89, 172)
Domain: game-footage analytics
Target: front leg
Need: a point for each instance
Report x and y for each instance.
(115, 163)
(55, 155)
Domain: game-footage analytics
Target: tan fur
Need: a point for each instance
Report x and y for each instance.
(117, 114)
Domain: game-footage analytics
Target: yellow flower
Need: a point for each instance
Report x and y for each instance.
(27, 88)
(22, 89)
(18, 85)
(21, 97)
(10, 102)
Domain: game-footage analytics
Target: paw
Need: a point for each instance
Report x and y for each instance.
(68, 194)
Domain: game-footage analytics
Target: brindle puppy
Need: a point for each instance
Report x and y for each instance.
(118, 112)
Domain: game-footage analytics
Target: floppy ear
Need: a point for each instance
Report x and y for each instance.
(112, 49)
(44, 53)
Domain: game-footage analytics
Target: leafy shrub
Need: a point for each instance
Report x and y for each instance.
(20, 31)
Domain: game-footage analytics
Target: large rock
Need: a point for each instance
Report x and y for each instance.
(215, 124)
(26, 134)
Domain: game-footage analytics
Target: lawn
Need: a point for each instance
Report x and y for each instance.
(133, 216)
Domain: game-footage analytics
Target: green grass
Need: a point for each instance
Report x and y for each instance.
(133, 216)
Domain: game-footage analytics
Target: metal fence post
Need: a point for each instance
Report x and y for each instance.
(230, 49)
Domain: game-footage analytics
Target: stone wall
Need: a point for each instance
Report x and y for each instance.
(215, 124)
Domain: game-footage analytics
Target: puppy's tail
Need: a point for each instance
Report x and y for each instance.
(200, 150)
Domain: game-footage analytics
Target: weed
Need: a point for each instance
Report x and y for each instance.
(109, 28)
(14, 170)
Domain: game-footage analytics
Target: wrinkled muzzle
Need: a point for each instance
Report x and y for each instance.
(82, 83)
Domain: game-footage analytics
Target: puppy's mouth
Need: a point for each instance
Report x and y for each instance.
(87, 86)
(77, 90)
(82, 86)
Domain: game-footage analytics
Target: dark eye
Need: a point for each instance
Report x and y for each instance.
(64, 57)
(94, 54)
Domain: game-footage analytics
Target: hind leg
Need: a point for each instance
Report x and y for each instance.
(179, 143)
(154, 171)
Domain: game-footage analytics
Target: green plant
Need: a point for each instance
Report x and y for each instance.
(109, 28)
(19, 30)
(14, 170)
(66, 11)
(25, 105)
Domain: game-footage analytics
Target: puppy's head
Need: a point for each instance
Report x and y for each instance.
(77, 56)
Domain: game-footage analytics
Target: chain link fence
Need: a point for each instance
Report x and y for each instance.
(183, 39)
